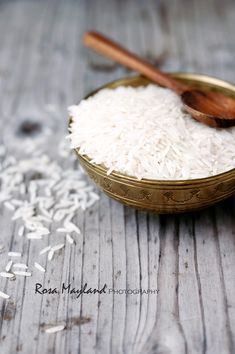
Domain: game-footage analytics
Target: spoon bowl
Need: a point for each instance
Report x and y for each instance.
(211, 108)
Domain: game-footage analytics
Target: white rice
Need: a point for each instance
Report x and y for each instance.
(21, 231)
(69, 239)
(57, 247)
(6, 275)
(55, 329)
(9, 206)
(50, 255)
(45, 250)
(14, 254)
(24, 274)
(68, 192)
(3, 295)
(20, 265)
(70, 226)
(37, 190)
(8, 266)
(144, 132)
(34, 236)
(61, 229)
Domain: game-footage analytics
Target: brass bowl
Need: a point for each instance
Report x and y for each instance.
(163, 196)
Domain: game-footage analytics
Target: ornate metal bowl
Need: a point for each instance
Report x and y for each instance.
(163, 196)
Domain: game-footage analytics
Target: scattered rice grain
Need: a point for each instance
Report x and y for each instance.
(25, 274)
(45, 250)
(4, 296)
(20, 265)
(69, 239)
(9, 206)
(144, 132)
(50, 255)
(55, 329)
(21, 231)
(57, 247)
(6, 275)
(8, 266)
(34, 236)
(14, 254)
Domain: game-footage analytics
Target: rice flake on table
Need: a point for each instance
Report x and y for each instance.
(4, 295)
(8, 266)
(23, 273)
(20, 265)
(6, 275)
(69, 192)
(14, 254)
(42, 198)
(55, 329)
(144, 132)
(39, 267)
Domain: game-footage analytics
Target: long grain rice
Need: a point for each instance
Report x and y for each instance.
(24, 274)
(144, 132)
(45, 250)
(20, 265)
(8, 266)
(14, 254)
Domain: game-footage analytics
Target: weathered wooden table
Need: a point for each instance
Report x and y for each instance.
(188, 259)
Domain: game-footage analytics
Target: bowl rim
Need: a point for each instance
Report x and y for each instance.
(181, 75)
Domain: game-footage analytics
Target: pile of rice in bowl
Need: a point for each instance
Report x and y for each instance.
(144, 132)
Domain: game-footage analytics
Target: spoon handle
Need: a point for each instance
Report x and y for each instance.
(114, 51)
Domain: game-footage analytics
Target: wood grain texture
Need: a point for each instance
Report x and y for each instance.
(189, 259)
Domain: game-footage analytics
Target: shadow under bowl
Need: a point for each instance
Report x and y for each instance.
(163, 196)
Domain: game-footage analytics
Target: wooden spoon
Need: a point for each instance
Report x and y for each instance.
(212, 108)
